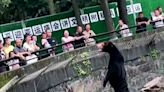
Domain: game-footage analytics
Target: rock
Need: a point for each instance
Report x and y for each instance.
(156, 85)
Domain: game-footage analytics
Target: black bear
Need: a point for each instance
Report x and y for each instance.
(116, 74)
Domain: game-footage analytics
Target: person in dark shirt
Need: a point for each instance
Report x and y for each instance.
(79, 38)
(51, 41)
(116, 74)
(142, 23)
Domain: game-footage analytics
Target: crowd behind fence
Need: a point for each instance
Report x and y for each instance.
(86, 38)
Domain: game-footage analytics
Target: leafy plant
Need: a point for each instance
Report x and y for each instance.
(155, 54)
(4, 80)
(82, 68)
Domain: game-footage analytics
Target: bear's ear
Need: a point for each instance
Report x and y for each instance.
(110, 44)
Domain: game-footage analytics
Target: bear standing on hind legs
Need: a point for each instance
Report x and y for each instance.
(116, 74)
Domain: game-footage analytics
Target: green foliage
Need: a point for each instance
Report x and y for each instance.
(155, 54)
(82, 68)
(23, 9)
(4, 80)
(5, 3)
(17, 10)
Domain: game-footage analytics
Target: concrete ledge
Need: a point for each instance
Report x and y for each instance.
(44, 62)
(131, 48)
(58, 73)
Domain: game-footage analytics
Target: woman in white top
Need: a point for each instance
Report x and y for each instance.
(158, 18)
(29, 45)
(125, 32)
(88, 33)
(67, 39)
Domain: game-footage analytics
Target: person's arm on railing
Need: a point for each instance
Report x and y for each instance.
(22, 53)
(92, 33)
(78, 38)
(148, 22)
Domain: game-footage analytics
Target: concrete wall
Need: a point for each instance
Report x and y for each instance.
(133, 48)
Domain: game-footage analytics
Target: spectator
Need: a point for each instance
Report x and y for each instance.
(21, 51)
(158, 19)
(79, 38)
(29, 45)
(45, 44)
(160, 11)
(67, 39)
(142, 22)
(51, 41)
(14, 63)
(2, 53)
(3, 66)
(7, 46)
(34, 41)
(44, 41)
(125, 32)
(89, 33)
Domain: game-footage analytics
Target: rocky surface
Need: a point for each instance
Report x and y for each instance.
(137, 75)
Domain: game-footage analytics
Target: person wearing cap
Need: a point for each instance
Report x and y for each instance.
(116, 74)
(7, 47)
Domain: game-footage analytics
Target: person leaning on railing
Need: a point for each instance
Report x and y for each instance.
(3, 66)
(89, 33)
(158, 18)
(34, 41)
(14, 62)
(44, 41)
(31, 47)
(160, 11)
(21, 52)
(68, 40)
(7, 47)
(142, 22)
(51, 40)
(79, 38)
(125, 32)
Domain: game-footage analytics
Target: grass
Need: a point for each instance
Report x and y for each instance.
(4, 80)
